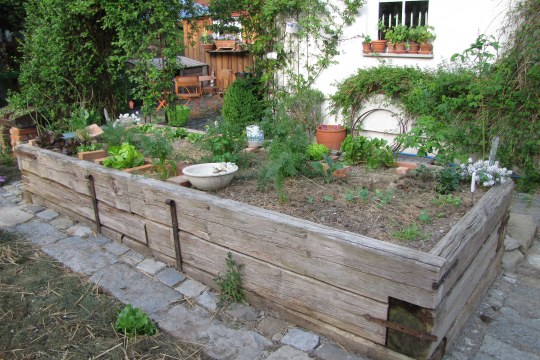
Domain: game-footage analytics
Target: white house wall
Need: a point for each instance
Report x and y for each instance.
(457, 24)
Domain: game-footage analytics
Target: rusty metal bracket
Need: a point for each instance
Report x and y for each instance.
(401, 328)
(92, 188)
(501, 230)
(437, 285)
(176, 236)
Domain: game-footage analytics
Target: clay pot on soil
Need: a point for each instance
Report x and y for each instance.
(378, 46)
(413, 48)
(426, 48)
(331, 136)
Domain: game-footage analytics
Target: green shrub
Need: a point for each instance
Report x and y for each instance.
(317, 151)
(448, 179)
(158, 148)
(178, 115)
(332, 166)
(224, 142)
(243, 104)
(133, 321)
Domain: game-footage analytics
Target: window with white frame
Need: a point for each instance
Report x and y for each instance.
(407, 12)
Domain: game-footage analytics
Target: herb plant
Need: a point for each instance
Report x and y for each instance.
(160, 149)
(133, 321)
(410, 233)
(316, 152)
(123, 157)
(230, 283)
(374, 152)
(448, 179)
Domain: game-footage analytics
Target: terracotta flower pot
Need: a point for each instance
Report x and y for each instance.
(426, 48)
(366, 48)
(378, 46)
(400, 48)
(413, 48)
(225, 44)
(331, 136)
(207, 47)
(391, 48)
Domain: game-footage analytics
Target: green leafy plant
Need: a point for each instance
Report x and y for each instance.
(362, 194)
(372, 152)
(158, 148)
(304, 105)
(327, 171)
(317, 151)
(448, 179)
(367, 39)
(224, 142)
(328, 198)
(89, 147)
(194, 137)
(230, 283)
(123, 157)
(133, 321)
(410, 233)
(309, 200)
(448, 199)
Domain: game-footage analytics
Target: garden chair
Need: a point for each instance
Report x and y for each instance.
(188, 88)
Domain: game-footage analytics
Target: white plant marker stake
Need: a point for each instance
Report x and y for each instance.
(473, 187)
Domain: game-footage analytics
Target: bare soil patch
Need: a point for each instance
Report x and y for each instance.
(48, 312)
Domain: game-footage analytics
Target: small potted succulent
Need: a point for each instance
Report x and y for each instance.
(366, 44)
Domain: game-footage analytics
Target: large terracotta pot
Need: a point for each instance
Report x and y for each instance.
(366, 48)
(378, 46)
(207, 47)
(331, 136)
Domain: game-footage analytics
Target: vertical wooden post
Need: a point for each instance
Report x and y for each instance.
(92, 187)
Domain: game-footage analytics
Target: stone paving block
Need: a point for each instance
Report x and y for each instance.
(228, 343)
(271, 326)
(151, 266)
(15, 199)
(243, 312)
(534, 261)
(80, 230)
(80, 255)
(170, 277)
(186, 324)
(39, 233)
(288, 353)
(100, 241)
(511, 259)
(209, 300)
(511, 244)
(116, 248)
(329, 351)
(12, 216)
(62, 223)
(516, 334)
(132, 258)
(34, 208)
(301, 339)
(131, 286)
(47, 215)
(499, 350)
(191, 288)
(12, 189)
(522, 228)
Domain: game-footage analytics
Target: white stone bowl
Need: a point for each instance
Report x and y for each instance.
(204, 176)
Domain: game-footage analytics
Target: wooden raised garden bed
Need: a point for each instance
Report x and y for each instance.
(377, 298)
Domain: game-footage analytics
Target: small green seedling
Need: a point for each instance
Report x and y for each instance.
(328, 198)
(424, 217)
(310, 200)
(384, 197)
(448, 199)
(409, 233)
(133, 321)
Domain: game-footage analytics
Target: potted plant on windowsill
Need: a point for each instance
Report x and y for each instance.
(366, 44)
(425, 36)
(379, 46)
(206, 41)
(413, 45)
(398, 35)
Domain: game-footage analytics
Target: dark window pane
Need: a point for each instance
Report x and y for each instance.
(389, 13)
(416, 13)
